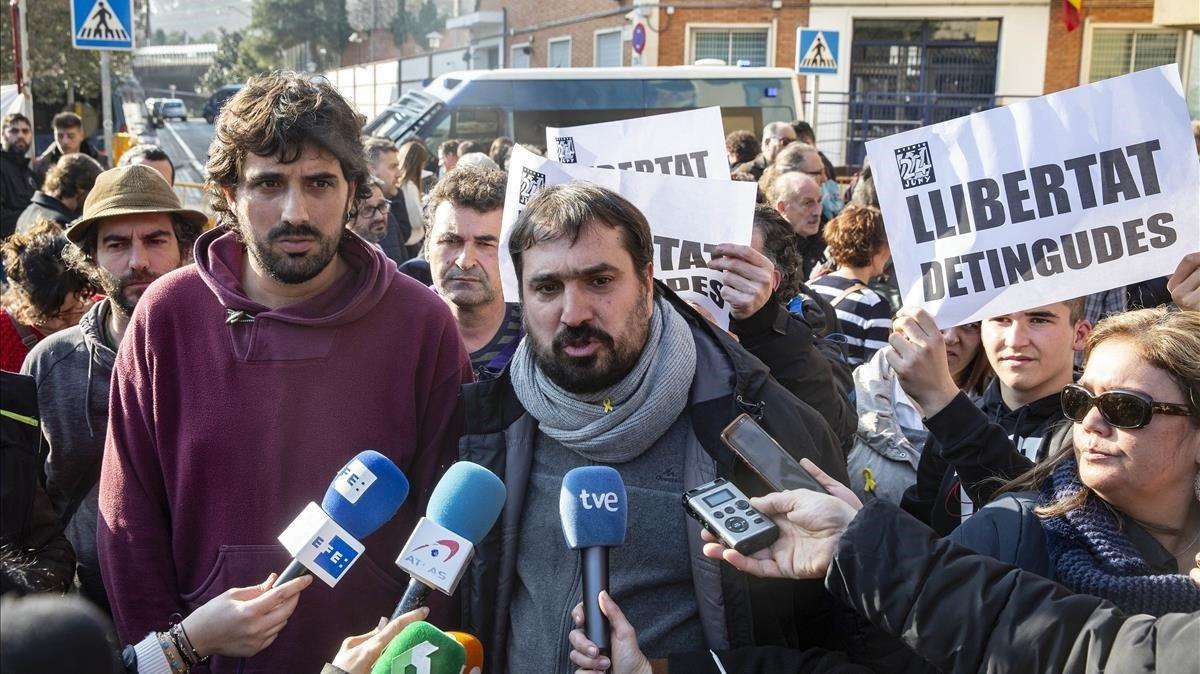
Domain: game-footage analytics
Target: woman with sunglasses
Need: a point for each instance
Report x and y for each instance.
(1116, 513)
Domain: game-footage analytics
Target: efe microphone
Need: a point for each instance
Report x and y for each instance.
(462, 509)
(594, 511)
(324, 540)
(423, 649)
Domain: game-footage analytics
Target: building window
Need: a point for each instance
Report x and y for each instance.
(733, 45)
(559, 52)
(519, 56)
(608, 49)
(1122, 50)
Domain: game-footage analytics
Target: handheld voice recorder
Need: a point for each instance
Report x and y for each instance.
(725, 511)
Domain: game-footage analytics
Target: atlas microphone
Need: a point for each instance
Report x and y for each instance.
(474, 651)
(593, 508)
(462, 509)
(324, 539)
(423, 649)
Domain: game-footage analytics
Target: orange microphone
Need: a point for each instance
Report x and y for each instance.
(474, 652)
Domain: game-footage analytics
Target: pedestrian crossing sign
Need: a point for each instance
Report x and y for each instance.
(102, 24)
(816, 51)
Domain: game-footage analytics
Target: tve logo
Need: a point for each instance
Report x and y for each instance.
(593, 501)
(354, 480)
(335, 556)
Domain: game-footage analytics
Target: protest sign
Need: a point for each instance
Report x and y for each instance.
(689, 143)
(687, 216)
(1042, 201)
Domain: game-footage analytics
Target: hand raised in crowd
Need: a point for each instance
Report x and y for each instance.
(750, 278)
(242, 621)
(627, 657)
(359, 653)
(918, 356)
(810, 526)
(1184, 284)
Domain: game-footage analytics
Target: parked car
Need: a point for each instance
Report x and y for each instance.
(154, 109)
(213, 107)
(173, 108)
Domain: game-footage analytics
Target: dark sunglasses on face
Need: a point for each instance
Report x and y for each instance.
(1120, 408)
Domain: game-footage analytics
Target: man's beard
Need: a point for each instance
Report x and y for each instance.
(289, 268)
(117, 288)
(483, 296)
(590, 374)
(370, 233)
(19, 147)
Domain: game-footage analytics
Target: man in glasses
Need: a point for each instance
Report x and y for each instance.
(1008, 428)
(371, 222)
(775, 137)
(133, 230)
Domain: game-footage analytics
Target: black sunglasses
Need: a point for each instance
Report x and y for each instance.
(1121, 409)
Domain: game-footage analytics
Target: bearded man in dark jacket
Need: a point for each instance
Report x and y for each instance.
(616, 370)
(17, 183)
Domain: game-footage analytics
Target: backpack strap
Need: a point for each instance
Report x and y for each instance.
(29, 339)
(846, 293)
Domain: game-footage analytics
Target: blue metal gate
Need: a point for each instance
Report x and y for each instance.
(908, 74)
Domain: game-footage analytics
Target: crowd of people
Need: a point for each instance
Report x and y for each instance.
(184, 390)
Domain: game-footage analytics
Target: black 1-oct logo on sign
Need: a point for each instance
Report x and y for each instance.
(532, 182)
(915, 164)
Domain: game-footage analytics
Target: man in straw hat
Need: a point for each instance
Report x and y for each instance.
(251, 377)
(132, 231)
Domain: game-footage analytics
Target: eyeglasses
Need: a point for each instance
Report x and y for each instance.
(381, 209)
(1121, 409)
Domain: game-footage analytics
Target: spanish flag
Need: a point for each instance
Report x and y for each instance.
(1072, 13)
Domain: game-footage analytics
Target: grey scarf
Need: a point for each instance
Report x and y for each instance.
(642, 406)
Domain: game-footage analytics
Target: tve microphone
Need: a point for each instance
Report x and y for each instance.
(592, 505)
(324, 539)
(474, 652)
(421, 648)
(462, 509)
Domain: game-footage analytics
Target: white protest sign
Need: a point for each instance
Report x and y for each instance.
(687, 216)
(1042, 201)
(689, 143)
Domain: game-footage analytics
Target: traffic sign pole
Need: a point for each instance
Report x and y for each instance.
(106, 102)
(816, 103)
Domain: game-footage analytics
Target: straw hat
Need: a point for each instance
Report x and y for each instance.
(129, 189)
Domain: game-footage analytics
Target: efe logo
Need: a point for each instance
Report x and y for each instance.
(354, 480)
(335, 557)
(594, 501)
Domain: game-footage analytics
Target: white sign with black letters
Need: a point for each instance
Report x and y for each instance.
(1043, 200)
(689, 143)
(687, 216)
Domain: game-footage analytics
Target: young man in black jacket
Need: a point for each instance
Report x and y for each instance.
(973, 448)
(17, 183)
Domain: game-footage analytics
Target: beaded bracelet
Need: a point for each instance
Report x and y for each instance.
(172, 655)
(184, 643)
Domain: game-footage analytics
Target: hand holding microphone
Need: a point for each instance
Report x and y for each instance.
(627, 656)
(242, 621)
(324, 540)
(359, 653)
(421, 648)
(462, 509)
(594, 511)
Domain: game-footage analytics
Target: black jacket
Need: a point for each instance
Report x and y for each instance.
(37, 555)
(965, 612)
(43, 205)
(785, 344)
(499, 436)
(16, 189)
(52, 154)
(971, 445)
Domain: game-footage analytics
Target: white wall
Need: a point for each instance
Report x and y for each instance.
(1022, 51)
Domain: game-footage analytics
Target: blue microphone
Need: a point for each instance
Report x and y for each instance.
(594, 511)
(363, 496)
(462, 509)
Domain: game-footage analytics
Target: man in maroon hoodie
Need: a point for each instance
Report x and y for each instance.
(252, 376)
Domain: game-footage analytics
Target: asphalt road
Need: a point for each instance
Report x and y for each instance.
(187, 144)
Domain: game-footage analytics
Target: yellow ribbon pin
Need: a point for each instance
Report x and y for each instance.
(608, 407)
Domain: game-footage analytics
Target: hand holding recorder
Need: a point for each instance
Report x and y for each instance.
(810, 525)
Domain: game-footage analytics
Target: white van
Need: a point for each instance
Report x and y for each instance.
(482, 105)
